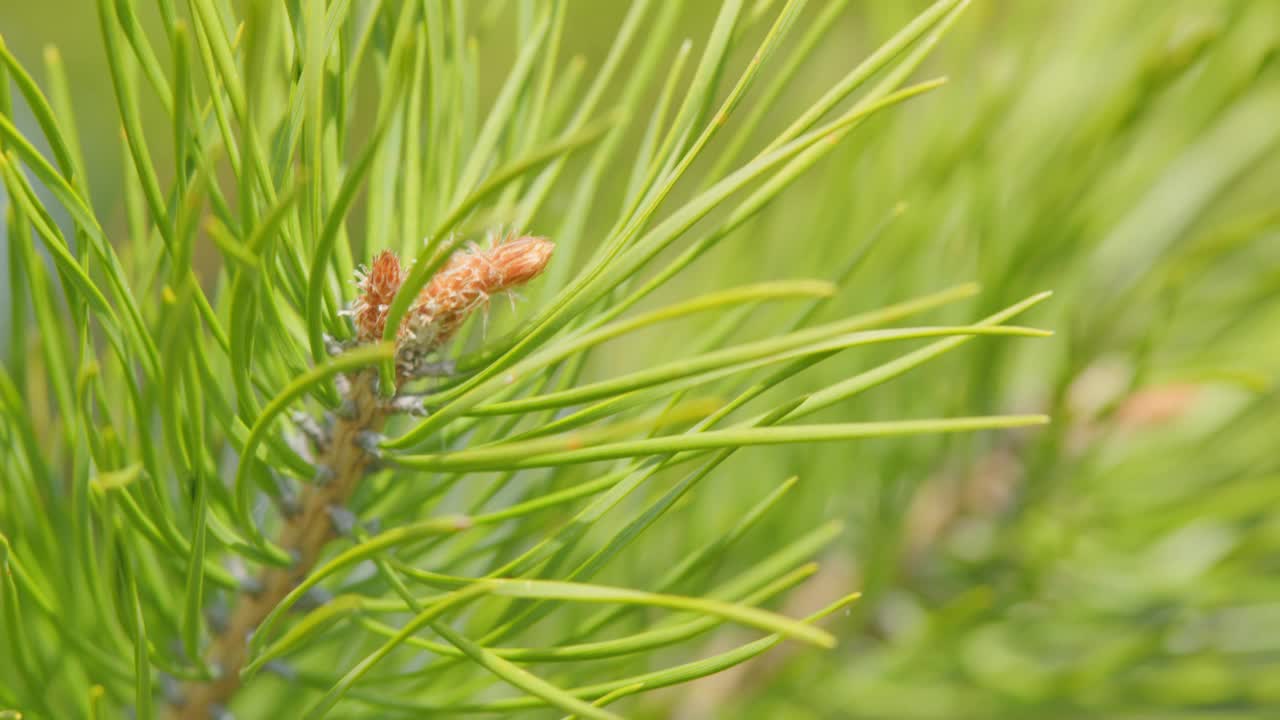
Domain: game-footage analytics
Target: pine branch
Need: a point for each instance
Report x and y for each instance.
(344, 461)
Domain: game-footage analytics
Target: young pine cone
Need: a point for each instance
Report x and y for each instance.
(464, 284)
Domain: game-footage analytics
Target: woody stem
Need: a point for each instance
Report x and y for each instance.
(305, 534)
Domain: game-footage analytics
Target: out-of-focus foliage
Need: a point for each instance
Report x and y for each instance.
(1127, 155)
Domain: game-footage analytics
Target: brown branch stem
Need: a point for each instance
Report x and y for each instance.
(305, 534)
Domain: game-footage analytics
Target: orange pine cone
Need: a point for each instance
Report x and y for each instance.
(378, 288)
(465, 283)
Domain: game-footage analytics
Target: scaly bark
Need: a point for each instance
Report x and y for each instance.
(305, 534)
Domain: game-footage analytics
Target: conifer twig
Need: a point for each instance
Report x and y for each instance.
(304, 534)
(463, 285)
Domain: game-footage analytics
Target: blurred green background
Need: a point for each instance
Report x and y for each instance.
(1125, 561)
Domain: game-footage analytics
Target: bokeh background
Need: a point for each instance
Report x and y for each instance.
(1125, 561)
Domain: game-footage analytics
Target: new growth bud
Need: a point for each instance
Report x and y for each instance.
(378, 287)
(463, 285)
